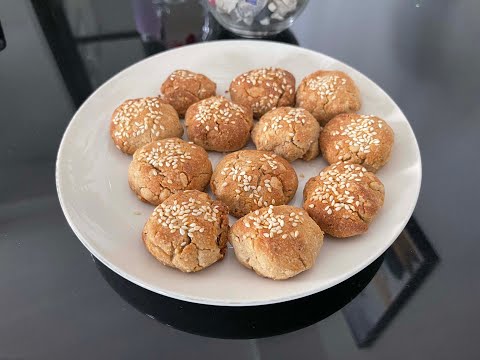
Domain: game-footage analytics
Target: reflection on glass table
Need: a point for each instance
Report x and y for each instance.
(240, 322)
(406, 264)
(3, 42)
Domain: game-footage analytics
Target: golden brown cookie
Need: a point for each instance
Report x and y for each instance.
(343, 199)
(188, 231)
(326, 94)
(167, 166)
(289, 132)
(136, 122)
(357, 139)
(277, 242)
(184, 88)
(218, 124)
(251, 179)
(263, 89)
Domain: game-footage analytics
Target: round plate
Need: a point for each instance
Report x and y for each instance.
(106, 216)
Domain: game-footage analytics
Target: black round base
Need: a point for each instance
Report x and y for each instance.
(240, 322)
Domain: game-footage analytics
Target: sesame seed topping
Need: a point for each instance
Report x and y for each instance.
(269, 223)
(182, 216)
(326, 86)
(293, 118)
(134, 117)
(274, 79)
(332, 189)
(254, 180)
(168, 153)
(216, 111)
(182, 74)
(361, 136)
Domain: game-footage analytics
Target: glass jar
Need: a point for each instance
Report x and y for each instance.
(255, 18)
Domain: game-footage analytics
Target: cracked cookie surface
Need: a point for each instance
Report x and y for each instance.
(357, 139)
(217, 124)
(289, 132)
(167, 166)
(136, 122)
(343, 199)
(188, 231)
(327, 93)
(263, 89)
(248, 180)
(183, 88)
(277, 242)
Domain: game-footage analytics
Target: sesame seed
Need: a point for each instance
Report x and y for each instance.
(182, 217)
(361, 135)
(333, 185)
(270, 223)
(274, 79)
(215, 111)
(326, 85)
(168, 153)
(248, 186)
(135, 116)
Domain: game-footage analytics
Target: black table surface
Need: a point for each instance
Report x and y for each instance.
(58, 302)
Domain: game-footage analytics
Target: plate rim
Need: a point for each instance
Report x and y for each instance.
(205, 301)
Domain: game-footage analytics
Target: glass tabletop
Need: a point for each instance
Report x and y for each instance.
(419, 300)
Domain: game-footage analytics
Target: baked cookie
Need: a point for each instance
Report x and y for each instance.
(218, 124)
(343, 199)
(188, 231)
(357, 139)
(136, 122)
(263, 89)
(184, 88)
(277, 242)
(289, 132)
(167, 166)
(251, 179)
(326, 94)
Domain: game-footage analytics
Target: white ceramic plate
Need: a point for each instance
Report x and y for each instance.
(103, 212)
